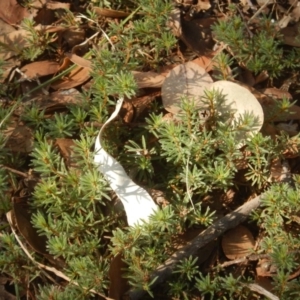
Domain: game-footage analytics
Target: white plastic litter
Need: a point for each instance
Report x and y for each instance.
(137, 203)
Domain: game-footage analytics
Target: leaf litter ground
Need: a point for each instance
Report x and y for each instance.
(52, 92)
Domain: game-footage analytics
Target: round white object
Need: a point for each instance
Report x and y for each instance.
(241, 101)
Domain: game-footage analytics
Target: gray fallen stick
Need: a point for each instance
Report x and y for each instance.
(227, 222)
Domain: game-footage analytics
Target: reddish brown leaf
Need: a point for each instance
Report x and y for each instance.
(65, 149)
(12, 12)
(148, 79)
(276, 93)
(110, 13)
(20, 138)
(76, 77)
(14, 42)
(79, 61)
(238, 242)
(40, 68)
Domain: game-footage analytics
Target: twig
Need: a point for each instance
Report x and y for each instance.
(229, 221)
(259, 289)
(239, 260)
(246, 25)
(259, 11)
(14, 171)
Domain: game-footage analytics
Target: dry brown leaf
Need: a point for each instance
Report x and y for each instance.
(110, 13)
(17, 40)
(12, 12)
(238, 242)
(20, 138)
(148, 79)
(205, 61)
(80, 61)
(65, 64)
(290, 35)
(22, 218)
(51, 29)
(202, 5)
(174, 22)
(290, 129)
(197, 34)
(73, 36)
(64, 97)
(242, 163)
(269, 129)
(189, 80)
(57, 5)
(262, 76)
(228, 197)
(53, 102)
(8, 69)
(295, 14)
(40, 68)
(14, 42)
(284, 21)
(292, 149)
(276, 170)
(276, 93)
(39, 4)
(247, 77)
(265, 268)
(265, 282)
(141, 103)
(5, 28)
(268, 103)
(127, 112)
(65, 149)
(280, 171)
(77, 76)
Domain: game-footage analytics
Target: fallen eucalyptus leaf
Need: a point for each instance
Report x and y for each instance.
(241, 101)
(40, 68)
(148, 79)
(137, 203)
(238, 242)
(189, 80)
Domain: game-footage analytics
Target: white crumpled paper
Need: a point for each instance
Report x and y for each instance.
(137, 203)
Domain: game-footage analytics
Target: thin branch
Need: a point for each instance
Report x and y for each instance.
(229, 221)
(259, 289)
(14, 171)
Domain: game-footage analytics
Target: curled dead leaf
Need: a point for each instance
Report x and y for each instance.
(80, 61)
(238, 242)
(77, 76)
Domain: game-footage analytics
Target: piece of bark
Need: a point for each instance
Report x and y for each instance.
(229, 221)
